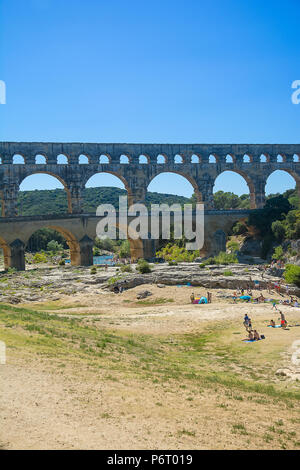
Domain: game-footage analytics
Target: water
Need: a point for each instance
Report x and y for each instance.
(98, 260)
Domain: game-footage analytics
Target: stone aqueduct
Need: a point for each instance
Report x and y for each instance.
(135, 165)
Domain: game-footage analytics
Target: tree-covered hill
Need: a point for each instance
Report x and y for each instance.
(55, 201)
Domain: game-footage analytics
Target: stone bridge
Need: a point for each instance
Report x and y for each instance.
(135, 165)
(79, 230)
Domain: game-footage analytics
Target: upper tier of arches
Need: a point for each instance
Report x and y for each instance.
(35, 153)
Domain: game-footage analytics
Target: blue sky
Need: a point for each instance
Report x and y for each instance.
(159, 71)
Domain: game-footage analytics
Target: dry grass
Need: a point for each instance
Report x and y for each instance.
(145, 377)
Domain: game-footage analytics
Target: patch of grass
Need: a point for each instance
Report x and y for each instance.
(185, 432)
(158, 301)
(239, 428)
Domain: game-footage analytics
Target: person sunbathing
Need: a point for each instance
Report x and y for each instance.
(250, 336)
(272, 323)
(256, 335)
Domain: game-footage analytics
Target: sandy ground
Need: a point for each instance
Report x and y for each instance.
(46, 407)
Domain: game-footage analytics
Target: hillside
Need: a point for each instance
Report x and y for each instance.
(55, 201)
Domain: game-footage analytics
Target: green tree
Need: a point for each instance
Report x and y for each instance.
(54, 246)
(278, 230)
(125, 249)
(292, 274)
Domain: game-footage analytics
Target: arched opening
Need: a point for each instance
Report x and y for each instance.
(143, 159)
(172, 188)
(280, 158)
(161, 159)
(169, 183)
(212, 159)
(280, 182)
(229, 159)
(83, 160)
(52, 244)
(43, 193)
(247, 158)
(124, 159)
(296, 158)
(18, 159)
(195, 159)
(104, 159)
(40, 159)
(0, 160)
(62, 159)
(178, 159)
(263, 159)
(103, 188)
(106, 188)
(224, 196)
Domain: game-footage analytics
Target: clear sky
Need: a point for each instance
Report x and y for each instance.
(157, 71)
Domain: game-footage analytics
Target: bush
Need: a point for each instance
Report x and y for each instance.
(54, 246)
(278, 230)
(292, 274)
(228, 273)
(226, 258)
(125, 249)
(207, 262)
(232, 246)
(173, 263)
(278, 253)
(93, 270)
(96, 251)
(174, 252)
(62, 262)
(126, 268)
(143, 267)
(40, 258)
(239, 228)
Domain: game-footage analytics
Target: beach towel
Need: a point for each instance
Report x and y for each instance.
(245, 297)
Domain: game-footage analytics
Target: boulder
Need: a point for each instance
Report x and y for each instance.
(143, 294)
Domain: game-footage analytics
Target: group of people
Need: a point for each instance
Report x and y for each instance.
(253, 335)
(283, 322)
(208, 298)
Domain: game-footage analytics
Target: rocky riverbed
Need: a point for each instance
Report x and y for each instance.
(53, 283)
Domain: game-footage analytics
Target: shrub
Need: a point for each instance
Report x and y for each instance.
(278, 230)
(278, 253)
(125, 249)
(54, 246)
(292, 274)
(228, 273)
(232, 246)
(62, 262)
(126, 268)
(239, 228)
(93, 270)
(174, 252)
(172, 263)
(96, 251)
(143, 267)
(226, 258)
(40, 258)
